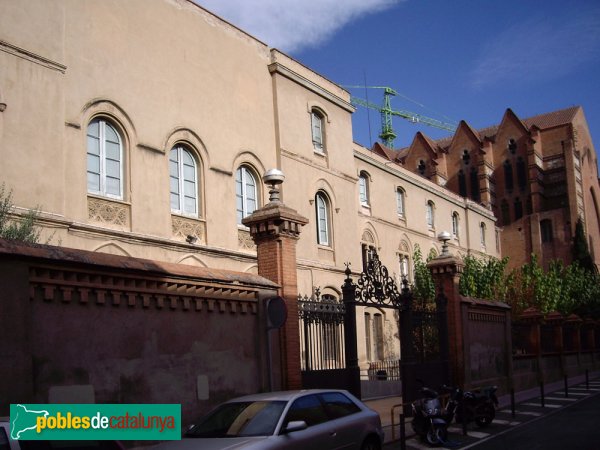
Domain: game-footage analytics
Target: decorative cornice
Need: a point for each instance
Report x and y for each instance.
(30, 56)
(313, 87)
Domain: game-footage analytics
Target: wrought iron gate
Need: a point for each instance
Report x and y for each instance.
(423, 328)
(323, 362)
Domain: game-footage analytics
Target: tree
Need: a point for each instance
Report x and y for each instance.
(581, 252)
(423, 286)
(12, 226)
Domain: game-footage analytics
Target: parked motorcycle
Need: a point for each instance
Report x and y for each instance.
(478, 406)
(428, 418)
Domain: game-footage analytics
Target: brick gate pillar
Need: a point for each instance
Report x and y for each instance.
(446, 270)
(275, 229)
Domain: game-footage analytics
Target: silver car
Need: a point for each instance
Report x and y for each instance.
(302, 420)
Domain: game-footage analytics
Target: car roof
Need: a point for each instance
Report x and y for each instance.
(283, 395)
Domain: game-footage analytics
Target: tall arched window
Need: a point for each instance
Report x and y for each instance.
(316, 119)
(455, 224)
(322, 214)
(363, 188)
(104, 159)
(462, 183)
(482, 233)
(400, 202)
(183, 174)
(518, 208)
(505, 210)
(521, 173)
(508, 176)
(475, 194)
(245, 192)
(429, 214)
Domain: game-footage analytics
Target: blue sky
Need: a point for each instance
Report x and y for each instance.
(455, 59)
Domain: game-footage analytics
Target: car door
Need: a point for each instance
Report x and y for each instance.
(319, 433)
(347, 419)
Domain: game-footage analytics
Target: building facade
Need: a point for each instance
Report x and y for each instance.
(538, 175)
(137, 141)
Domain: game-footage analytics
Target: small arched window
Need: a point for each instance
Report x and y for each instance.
(104, 159)
(246, 194)
(429, 214)
(183, 175)
(455, 224)
(317, 120)
(422, 167)
(400, 202)
(322, 214)
(363, 188)
(512, 146)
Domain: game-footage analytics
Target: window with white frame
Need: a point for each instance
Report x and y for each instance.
(429, 214)
(322, 214)
(363, 188)
(455, 224)
(482, 233)
(400, 202)
(183, 173)
(104, 159)
(246, 195)
(316, 119)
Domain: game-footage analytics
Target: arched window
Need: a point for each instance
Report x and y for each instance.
(317, 119)
(546, 230)
(512, 146)
(505, 210)
(322, 214)
(400, 202)
(482, 233)
(455, 224)
(429, 214)
(104, 159)
(183, 174)
(462, 183)
(508, 175)
(363, 188)
(245, 192)
(518, 208)
(475, 194)
(466, 157)
(422, 167)
(521, 173)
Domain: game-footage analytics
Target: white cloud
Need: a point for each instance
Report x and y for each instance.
(539, 49)
(293, 25)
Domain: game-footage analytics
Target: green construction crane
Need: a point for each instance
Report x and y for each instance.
(387, 134)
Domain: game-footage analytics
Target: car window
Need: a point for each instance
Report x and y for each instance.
(338, 405)
(4, 445)
(240, 419)
(307, 408)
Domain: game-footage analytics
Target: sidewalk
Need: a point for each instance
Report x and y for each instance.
(384, 405)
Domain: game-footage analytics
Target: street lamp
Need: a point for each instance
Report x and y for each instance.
(444, 237)
(274, 178)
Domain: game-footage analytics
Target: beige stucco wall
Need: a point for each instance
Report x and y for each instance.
(166, 72)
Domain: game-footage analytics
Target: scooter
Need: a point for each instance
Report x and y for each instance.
(478, 406)
(428, 418)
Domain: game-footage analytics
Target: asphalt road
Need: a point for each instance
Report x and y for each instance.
(576, 427)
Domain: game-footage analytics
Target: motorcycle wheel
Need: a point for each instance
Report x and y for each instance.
(431, 437)
(486, 416)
